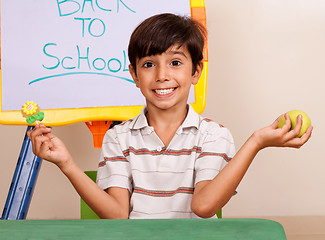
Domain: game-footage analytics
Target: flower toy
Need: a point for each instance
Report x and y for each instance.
(31, 112)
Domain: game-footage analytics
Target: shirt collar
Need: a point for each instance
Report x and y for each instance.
(192, 119)
(140, 121)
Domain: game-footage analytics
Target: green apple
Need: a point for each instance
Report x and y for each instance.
(293, 117)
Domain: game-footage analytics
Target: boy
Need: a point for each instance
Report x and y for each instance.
(168, 162)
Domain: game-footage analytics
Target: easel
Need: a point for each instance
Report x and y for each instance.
(23, 182)
(28, 165)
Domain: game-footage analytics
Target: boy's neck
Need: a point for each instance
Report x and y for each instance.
(166, 122)
(167, 118)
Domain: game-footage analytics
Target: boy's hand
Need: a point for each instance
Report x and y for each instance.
(47, 146)
(272, 136)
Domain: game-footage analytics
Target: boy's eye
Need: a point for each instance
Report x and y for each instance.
(148, 64)
(175, 63)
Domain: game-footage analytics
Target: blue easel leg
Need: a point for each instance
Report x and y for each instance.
(23, 182)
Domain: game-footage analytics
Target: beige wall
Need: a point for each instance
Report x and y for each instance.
(265, 58)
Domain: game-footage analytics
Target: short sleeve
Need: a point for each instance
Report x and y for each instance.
(114, 168)
(217, 150)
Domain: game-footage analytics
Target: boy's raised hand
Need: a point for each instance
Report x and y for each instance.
(272, 136)
(47, 146)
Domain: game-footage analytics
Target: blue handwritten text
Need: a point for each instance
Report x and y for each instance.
(70, 7)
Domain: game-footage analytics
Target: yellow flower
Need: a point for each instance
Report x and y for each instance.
(30, 108)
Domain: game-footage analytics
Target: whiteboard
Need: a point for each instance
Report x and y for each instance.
(72, 54)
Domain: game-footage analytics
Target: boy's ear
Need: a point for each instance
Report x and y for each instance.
(134, 75)
(196, 76)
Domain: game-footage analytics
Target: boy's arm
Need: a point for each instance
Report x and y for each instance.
(210, 196)
(111, 204)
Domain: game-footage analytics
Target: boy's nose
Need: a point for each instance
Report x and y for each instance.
(162, 74)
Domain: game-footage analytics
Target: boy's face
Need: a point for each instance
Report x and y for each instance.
(165, 80)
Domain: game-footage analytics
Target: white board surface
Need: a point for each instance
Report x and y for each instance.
(72, 53)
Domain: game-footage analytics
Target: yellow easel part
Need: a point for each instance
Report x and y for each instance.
(197, 3)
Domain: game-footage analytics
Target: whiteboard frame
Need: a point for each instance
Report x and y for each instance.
(59, 117)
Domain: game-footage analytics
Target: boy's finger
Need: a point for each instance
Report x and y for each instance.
(39, 142)
(307, 134)
(296, 130)
(38, 131)
(287, 125)
(275, 124)
(29, 132)
(299, 142)
(44, 148)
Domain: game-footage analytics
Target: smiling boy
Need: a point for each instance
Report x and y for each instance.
(165, 81)
(167, 162)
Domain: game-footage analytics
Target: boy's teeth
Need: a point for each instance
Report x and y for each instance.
(164, 91)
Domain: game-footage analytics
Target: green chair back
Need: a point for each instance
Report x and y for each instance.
(85, 210)
(87, 213)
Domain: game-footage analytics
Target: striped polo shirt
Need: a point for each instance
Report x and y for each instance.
(161, 179)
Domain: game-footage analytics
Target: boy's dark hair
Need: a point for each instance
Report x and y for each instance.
(157, 33)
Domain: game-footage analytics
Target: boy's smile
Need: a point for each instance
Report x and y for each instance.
(164, 92)
(165, 80)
